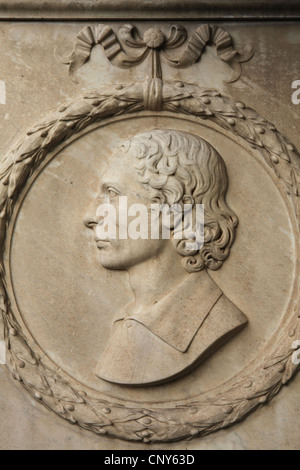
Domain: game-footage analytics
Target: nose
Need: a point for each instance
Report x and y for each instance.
(90, 221)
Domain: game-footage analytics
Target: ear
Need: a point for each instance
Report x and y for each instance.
(174, 217)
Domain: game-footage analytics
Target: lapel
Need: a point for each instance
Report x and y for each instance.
(177, 317)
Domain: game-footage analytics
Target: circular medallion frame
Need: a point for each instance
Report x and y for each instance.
(148, 422)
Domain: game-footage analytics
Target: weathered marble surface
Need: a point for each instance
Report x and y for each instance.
(272, 427)
(35, 83)
(30, 62)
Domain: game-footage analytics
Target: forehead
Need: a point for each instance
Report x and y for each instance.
(121, 173)
(120, 164)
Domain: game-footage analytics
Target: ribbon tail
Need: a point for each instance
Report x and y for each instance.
(103, 35)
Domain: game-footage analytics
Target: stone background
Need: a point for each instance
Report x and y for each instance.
(36, 82)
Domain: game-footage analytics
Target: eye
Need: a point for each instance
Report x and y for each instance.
(113, 193)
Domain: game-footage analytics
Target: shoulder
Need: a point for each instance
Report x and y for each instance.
(224, 306)
(136, 356)
(224, 321)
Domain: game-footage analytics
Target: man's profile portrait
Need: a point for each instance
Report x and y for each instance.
(178, 315)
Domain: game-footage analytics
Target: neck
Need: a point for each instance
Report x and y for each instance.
(153, 279)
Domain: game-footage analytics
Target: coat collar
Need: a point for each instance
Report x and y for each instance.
(177, 317)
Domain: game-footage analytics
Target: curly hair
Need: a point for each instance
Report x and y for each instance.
(179, 167)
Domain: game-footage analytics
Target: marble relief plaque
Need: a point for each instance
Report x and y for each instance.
(147, 339)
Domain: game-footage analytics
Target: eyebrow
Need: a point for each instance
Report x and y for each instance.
(109, 184)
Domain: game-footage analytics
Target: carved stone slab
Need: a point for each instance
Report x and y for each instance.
(62, 342)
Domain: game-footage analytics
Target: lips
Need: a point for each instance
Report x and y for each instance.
(101, 243)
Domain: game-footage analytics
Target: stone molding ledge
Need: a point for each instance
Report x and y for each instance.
(144, 9)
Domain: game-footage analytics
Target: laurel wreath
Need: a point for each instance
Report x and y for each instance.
(50, 385)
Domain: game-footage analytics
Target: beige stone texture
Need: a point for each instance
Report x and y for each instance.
(36, 82)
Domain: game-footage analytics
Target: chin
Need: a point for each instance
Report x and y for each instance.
(110, 262)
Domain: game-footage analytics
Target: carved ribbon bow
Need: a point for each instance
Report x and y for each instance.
(129, 49)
